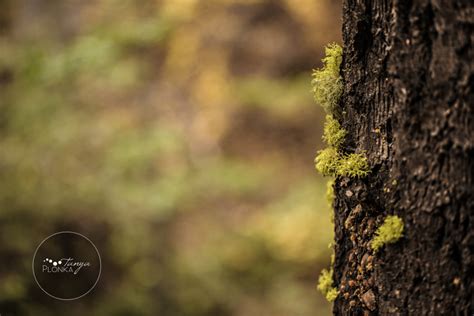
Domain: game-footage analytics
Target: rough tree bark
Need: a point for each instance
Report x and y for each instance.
(408, 103)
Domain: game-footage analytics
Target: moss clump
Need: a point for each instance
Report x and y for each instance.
(325, 285)
(330, 191)
(390, 231)
(333, 132)
(353, 166)
(332, 294)
(327, 83)
(329, 162)
(327, 88)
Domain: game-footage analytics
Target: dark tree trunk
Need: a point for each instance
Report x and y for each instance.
(408, 102)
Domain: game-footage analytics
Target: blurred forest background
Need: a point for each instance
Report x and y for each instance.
(179, 136)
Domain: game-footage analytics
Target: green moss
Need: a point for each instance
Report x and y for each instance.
(330, 198)
(330, 191)
(390, 231)
(327, 83)
(331, 163)
(333, 132)
(332, 294)
(353, 166)
(327, 161)
(327, 88)
(325, 285)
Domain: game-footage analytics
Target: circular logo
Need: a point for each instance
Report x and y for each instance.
(66, 265)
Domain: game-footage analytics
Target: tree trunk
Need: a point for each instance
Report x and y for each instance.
(408, 103)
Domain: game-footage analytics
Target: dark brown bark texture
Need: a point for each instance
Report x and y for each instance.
(408, 103)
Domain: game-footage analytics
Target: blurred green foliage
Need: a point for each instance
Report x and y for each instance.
(178, 136)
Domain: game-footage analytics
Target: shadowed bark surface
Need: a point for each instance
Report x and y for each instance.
(408, 103)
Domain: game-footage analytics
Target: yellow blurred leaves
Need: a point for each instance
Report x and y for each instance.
(296, 228)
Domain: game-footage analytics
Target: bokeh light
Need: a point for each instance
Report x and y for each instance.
(179, 136)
